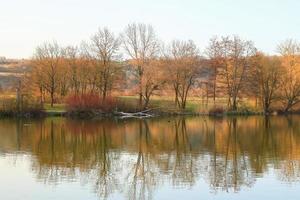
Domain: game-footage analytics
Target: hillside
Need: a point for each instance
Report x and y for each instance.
(10, 71)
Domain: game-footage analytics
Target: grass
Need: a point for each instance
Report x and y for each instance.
(4, 97)
(7, 96)
(165, 103)
(57, 108)
(194, 104)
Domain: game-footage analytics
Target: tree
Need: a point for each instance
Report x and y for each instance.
(104, 49)
(182, 69)
(153, 80)
(235, 63)
(89, 70)
(37, 80)
(141, 45)
(71, 58)
(64, 74)
(266, 79)
(47, 59)
(214, 53)
(290, 84)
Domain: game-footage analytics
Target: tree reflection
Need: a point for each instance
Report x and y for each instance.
(183, 166)
(229, 167)
(290, 167)
(136, 157)
(142, 176)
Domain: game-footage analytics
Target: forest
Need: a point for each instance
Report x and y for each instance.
(135, 70)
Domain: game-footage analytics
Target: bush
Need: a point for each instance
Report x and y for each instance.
(128, 105)
(90, 102)
(27, 108)
(109, 105)
(216, 111)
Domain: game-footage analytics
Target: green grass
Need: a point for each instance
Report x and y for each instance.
(193, 104)
(165, 103)
(57, 108)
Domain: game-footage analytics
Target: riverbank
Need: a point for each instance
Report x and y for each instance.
(158, 107)
(150, 113)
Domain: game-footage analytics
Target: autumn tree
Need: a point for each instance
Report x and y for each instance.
(71, 60)
(265, 79)
(36, 78)
(46, 61)
(141, 45)
(89, 75)
(153, 80)
(104, 49)
(290, 84)
(214, 53)
(235, 64)
(64, 74)
(183, 68)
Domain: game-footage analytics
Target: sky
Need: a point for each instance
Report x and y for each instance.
(24, 24)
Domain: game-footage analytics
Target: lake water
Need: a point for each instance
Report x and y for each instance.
(159, 158)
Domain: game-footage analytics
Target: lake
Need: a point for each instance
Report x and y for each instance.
(158, 158)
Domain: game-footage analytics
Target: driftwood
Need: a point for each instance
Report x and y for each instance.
(141, 114)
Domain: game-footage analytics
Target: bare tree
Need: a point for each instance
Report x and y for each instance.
(37, 80)
(104, 48)
(71, 57)
(47, 59)
(153, 80)
(182, 69)
(214, 53)
(141, 45)
(290, 85)
(265, 79)
(235, 63)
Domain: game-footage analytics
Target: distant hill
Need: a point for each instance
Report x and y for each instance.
(10, 71)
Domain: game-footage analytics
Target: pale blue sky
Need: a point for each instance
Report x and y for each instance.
(27, 23)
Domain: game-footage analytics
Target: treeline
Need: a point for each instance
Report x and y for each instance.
(110, 64)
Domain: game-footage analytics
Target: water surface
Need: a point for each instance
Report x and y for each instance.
(160, 158)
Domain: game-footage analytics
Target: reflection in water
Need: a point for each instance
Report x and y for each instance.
(135, 157)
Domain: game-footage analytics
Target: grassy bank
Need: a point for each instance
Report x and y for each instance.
(194, 105)
(56, 110)
(161, 106)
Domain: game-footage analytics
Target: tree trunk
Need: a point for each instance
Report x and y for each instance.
(104, 92)
(288, 107)
(266, 106)
(140, 87)
(147, 99)
(52, 99)
(214, 87)
(234, 104)
(176, 98)
(41, 97)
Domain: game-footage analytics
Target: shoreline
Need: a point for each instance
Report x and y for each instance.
(95, 115)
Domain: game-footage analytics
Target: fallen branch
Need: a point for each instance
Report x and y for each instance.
(141, 114)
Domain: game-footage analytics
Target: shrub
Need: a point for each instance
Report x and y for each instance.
(90, 102)
(127, 105)
(216, 111)
(27, 108)
(109, 105)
